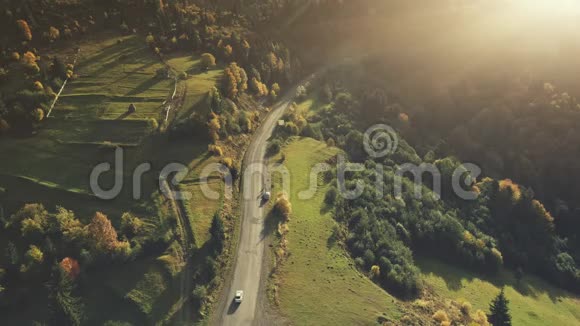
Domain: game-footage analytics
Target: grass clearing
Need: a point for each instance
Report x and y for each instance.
(310, 105)
(112, 75)
(89, 119)
(198, 87)
(532, 302)
(319, 284)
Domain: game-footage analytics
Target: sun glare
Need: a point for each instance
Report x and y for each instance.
(549, 8)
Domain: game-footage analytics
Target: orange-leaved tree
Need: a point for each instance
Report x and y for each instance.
(24, 29)
(102, 234)
(71, 267)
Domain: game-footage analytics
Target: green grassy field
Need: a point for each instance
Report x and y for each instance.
(91, 116)
(112, 75)
(319, 283)
(310, 105)
(532, 302)
(54, 166)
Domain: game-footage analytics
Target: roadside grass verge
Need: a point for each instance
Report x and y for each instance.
(318, 283)
(532, 301)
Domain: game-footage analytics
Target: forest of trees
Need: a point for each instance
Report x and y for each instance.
(505, 226)
(56, 248)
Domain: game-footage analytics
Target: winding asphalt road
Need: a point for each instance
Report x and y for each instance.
(249, 259)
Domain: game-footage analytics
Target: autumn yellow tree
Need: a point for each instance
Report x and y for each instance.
(214, 127)
(228, 51)
(259, 88)
(38, 114)
(542, 212)
(38, 86)
(29, 61)
(510, 191)
(235, 80)
(375, 271)
(24, 29)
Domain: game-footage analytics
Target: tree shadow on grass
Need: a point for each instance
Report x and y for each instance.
(271, 222)
(325, 209)
(453, 276)
(115, 61)
(144, 86)
(331, 241)
(123, 116)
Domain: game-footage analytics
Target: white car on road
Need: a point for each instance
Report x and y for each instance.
(266, 196)
(239, 296)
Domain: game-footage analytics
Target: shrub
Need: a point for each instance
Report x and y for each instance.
(34, 255)
(283, 206)
(301, 93)
(199, 294)
(465, 307)
(49, 92)
(245, 122)
(440, 316)
(228, 162)
(215, 150)
(38, 86)
(153, 124)
(274, 147)
(273, 95)
(480, 318)
(208, 60)
(38, 114)
(292, 128)
(131, 225)
(150, 40)
(53, 33)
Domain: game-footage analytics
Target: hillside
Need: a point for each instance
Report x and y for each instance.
(417, 162)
